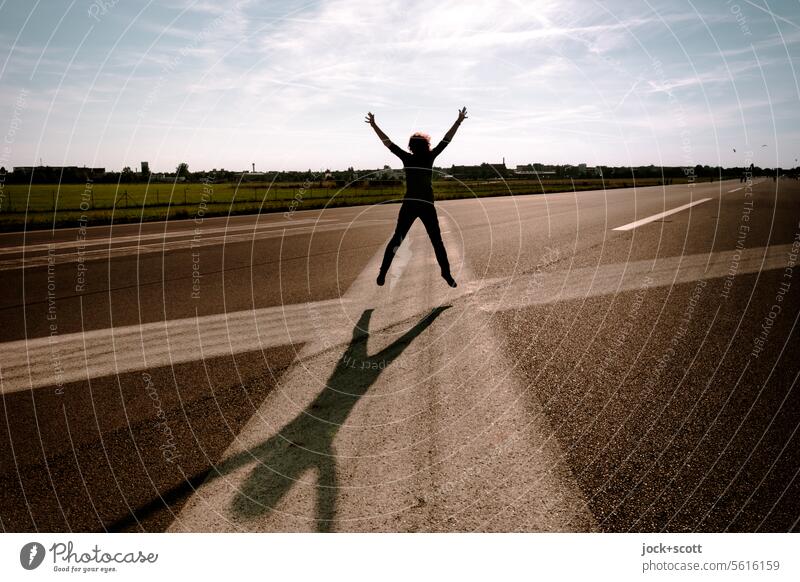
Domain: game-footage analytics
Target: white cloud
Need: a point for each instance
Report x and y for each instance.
(287, 82)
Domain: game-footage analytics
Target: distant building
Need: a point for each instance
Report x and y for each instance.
(253, 177)
(56, 174)
(464, 170)
(145, 168)
(534, 170)
(485, 170)
(500, 168)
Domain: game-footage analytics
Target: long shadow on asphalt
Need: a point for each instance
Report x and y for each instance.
(307, 441)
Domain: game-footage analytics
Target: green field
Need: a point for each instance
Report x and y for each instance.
(52, 205)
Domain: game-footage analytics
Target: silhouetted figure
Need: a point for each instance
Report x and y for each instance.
(306, 443)
(418, 201)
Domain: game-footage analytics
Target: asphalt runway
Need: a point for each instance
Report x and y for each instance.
(621, 360)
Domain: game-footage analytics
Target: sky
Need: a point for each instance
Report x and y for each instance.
(286, 85)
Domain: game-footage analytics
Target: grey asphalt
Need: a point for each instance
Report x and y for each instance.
(655, 406)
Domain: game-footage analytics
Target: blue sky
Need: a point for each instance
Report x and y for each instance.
(286, 84)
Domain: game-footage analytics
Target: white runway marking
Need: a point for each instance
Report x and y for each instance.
(444, 418)
(46, 362)
(588, 282)
(188, 240)
(447, 418)
(155, 236)
(643, 221)
(74, 357)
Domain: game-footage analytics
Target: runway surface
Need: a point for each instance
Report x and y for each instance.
(621, 360)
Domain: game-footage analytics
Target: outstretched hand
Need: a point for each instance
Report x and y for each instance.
(462, 114)
(370, 118)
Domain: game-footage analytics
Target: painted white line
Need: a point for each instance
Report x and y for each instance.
(108, 252)
(47, 361)
(736, 189)
(438, 408)
(198, 230)
(54, 360)
(58, 360)
(585, 282)
(643, 221)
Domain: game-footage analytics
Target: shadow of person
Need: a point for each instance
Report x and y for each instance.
(306, 443)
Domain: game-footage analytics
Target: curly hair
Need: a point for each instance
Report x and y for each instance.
(419, 143)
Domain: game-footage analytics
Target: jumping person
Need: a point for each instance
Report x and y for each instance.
(418, 201)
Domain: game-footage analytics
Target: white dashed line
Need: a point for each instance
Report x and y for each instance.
(643, 221)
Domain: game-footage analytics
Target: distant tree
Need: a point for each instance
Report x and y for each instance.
(182, 171)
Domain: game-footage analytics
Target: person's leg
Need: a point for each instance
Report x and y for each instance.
(431, 221)
(405, 219)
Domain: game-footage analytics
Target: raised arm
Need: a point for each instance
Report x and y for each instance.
(370, 119)
(448, 137)
(462, 115)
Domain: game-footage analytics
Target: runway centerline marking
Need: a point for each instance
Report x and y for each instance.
(643, 221)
